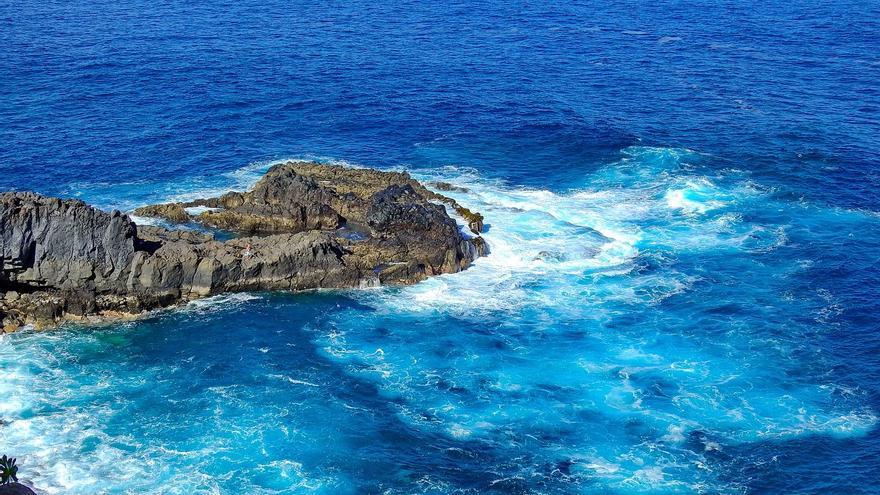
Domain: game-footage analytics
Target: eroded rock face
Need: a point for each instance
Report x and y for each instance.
(64, 259)
(63, 244)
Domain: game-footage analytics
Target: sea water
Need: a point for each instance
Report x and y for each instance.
(681, 208)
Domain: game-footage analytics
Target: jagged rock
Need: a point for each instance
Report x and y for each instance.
(62, 259)
(353, 186)
(173, 212)
(62, 244)
(273, 218)
(282, 201)
(445, 186)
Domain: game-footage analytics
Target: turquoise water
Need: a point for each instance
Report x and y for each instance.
(648, 332)
(681, 294)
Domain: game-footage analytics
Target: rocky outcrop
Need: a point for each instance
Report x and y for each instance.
(63, 244)
(302, 226)
(173, 212)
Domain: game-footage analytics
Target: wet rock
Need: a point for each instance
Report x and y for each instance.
(62, 259)
(352, 187)
(447, 187)
(475, 220)
(173, 212)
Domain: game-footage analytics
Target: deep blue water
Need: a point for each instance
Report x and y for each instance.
(703, 178)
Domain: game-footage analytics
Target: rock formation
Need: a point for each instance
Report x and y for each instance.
(302, 226)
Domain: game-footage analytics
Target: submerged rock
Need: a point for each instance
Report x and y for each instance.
(63, 259)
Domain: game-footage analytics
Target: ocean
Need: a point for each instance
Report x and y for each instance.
(682, 208)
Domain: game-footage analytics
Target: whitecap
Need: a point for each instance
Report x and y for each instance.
(668, 39)
(222, 300)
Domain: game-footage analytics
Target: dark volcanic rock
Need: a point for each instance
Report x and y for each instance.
(62, 244)
(15, 489)
(405, 224)
(173, 212)
(64, 259)
(353, 188)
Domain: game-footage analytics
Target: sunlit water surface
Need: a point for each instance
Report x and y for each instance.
(682, 289)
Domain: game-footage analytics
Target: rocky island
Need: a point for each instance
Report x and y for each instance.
(302, 226)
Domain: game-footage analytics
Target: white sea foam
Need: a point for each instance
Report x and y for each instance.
(557, 260)
(563, 257)
(540, 235)
(695, 197)
(197, 210)
(222, 300)
(531, 233)
(294, 381)
(146, 220)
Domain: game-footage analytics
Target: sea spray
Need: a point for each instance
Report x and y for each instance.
(612, 340)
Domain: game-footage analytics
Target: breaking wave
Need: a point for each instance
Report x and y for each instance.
(631, 334)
